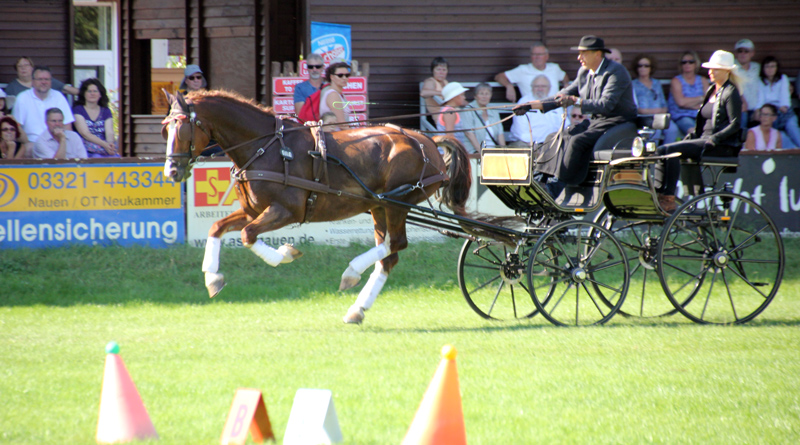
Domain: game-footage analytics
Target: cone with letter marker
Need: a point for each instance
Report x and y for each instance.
(123, 417)
(439, 418)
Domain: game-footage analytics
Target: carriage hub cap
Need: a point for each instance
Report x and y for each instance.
(511, 269)
(721, 259)
(579, 275)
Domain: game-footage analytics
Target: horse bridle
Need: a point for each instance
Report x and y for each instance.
(194, 123)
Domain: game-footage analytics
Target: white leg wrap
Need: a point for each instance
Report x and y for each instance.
(266, 253)
(373, 287)
(211, 258)
(370, 257)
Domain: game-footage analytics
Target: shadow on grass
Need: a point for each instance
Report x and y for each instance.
(85, 275)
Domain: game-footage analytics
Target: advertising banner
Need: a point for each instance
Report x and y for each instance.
(331, 41)
(206, 189)
(95, 204)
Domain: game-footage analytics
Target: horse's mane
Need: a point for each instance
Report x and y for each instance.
(228, 95)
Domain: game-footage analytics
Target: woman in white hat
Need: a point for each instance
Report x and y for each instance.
(717, 132)
(450, 117)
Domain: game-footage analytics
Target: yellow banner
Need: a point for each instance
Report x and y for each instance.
(86, 187)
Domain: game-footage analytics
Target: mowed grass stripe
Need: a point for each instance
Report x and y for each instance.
(277, 330)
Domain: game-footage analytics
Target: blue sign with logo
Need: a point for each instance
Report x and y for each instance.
(331, 41)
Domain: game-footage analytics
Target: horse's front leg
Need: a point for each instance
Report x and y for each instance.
(216, 281)
(273, 218)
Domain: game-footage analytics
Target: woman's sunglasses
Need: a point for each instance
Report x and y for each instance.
(688, 62)
(198, 77)
(342, 75)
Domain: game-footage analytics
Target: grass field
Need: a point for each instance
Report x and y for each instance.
(631, 381)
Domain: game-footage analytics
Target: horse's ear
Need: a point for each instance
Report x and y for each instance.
(170, 97)
(182, 102)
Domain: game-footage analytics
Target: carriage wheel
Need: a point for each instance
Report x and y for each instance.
(724, 248)
(570, 261)
(491, 278)
(639, 240)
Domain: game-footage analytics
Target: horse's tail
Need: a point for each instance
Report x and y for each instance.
(456, 192)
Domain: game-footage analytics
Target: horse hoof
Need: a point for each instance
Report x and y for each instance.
(354, 315)
(350, 278)
(289, 253)
(214, 283)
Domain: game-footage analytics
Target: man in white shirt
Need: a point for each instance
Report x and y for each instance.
(523, 75)
(31, 105)
(749, 71)
(56, 142)
(535, 125)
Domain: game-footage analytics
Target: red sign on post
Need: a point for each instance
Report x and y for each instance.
(248, 413)
(283, 104)
(285, 85)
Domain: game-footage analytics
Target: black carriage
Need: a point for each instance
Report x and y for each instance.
(718, 258)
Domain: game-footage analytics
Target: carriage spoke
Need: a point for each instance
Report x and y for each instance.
(591, 297)
(751, 284)
(708, 297)
(644, 285)
(555, 306)
(752, 236)
(490, 281)
(730, 296)
(496, 295)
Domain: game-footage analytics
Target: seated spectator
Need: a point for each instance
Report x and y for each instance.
(328, 118)
(491, 136)
(93, 120)
(24, 81)
(57, 142)
(534, 126)
(522, 76)
(764, 136)
(316, 67)
(744, 51)
(331, 99)
(193, 80)
(10, 148)
(647, 91)
(615, 55)
(575, 116)
(450, 118)
(685, 96)
(432, 87)
(774, 90)
(29, 110)
(22, 137)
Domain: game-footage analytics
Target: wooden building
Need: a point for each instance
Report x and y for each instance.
(234, 41)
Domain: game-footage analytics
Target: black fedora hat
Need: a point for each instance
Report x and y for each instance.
(591, 43)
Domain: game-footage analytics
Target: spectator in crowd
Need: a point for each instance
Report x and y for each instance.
(24, 81)
(450, 118)
(491, 136)
(29, 110)
(685, 96)
(94, 121)
(615, 55)
(575, 116)
(57, 142)
(764, 137)
(193, 79)
(533, 126)
(22, 137)
(10, 147)
(331, 98)
(774, 89)
(717, 131)
(647, 91)
(432, 87)
(748, 71)
(523, 75)
(603, 89)
(316, 67)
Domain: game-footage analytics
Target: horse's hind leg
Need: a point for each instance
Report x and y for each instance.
(216, 281)
(370, 291)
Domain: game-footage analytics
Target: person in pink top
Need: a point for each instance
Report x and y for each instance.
(764, 137)
(331, 99)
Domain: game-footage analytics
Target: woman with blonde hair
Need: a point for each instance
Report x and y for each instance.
(718, 129)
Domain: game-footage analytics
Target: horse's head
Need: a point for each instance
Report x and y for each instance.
(186, 138)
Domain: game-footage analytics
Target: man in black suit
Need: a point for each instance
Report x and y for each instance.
(602, 90)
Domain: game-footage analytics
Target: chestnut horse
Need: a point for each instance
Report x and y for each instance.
(281, 179)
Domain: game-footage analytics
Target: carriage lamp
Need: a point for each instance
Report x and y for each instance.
(637, 148)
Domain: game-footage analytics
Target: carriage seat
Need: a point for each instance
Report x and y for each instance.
(615, 143)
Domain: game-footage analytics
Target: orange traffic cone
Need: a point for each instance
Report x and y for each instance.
(122, 414)
(439, 419)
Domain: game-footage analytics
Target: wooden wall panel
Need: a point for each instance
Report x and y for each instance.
(158, 19)
(38, 29)
(480, 38)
